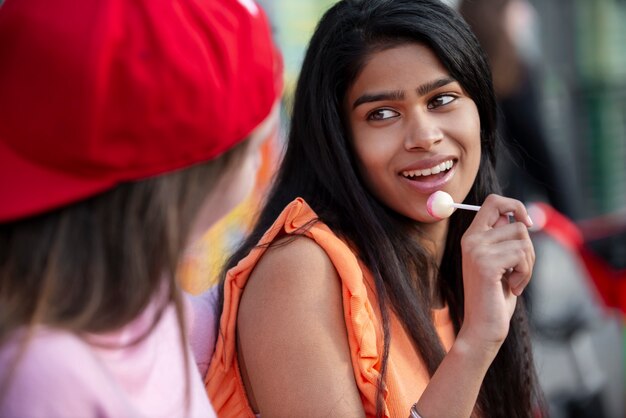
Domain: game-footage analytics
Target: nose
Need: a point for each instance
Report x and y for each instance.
(423, 131)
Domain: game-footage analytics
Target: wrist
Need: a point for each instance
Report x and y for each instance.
(474, 349)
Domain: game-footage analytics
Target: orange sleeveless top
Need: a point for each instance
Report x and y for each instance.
(406, 376)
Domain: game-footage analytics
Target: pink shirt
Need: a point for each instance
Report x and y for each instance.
(202, 326)
(62, 375)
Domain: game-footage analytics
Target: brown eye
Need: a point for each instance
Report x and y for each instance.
(382, 114)
(441, 100)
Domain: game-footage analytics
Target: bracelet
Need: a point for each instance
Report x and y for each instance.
(413, 412)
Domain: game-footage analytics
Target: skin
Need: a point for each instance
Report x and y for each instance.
(292, 302)
(238, 180)
(406, 123)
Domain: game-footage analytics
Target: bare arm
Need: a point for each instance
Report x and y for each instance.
(293, 337)
(490, 246)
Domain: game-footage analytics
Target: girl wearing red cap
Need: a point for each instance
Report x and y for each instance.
(126, 129)
(349, 299)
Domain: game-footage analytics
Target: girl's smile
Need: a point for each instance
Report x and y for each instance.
(414, 129)
(430, 175)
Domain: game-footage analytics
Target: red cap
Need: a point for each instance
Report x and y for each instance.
(98, 92)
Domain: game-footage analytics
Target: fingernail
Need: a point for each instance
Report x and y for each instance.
(530, 221)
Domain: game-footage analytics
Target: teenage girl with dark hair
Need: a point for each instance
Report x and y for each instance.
(126, 130)
(349, 298)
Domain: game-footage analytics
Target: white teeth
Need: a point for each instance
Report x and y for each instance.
(439, 168)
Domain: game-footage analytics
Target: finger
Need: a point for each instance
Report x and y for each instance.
(518, 288)
(508, 232)
(519, 279)
(518, 276)
(510, 260)
(494, 207)
(502, 220)
(506, 289)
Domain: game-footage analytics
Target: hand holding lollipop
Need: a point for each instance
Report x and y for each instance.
(494, 248)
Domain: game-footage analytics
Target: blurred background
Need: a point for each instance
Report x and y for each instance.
(560, 76)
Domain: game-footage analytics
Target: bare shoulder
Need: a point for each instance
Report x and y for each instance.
(294, 261)
(293, 336)
(295, 274)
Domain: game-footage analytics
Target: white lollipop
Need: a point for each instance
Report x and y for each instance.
(440, 205)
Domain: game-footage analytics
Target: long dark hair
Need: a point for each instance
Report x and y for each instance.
(319, 165)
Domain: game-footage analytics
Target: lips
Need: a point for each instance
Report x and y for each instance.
(429, 176)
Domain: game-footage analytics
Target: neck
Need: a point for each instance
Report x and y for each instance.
(435, 241)
(436, 234)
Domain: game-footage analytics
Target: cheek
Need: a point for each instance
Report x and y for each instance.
(232, 189)
(243, 179)
(373, 150)
(372, 167)
(475, 143)
(467, 132)
(368, 163)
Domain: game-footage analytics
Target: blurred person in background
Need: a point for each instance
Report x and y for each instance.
(529, 167)
(126, 130)
(577, 340)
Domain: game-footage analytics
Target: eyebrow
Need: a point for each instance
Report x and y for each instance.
(399, 94)
(426, 88)
(377, 97)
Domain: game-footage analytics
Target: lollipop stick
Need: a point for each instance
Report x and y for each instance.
(464, 206)
(477, 208)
